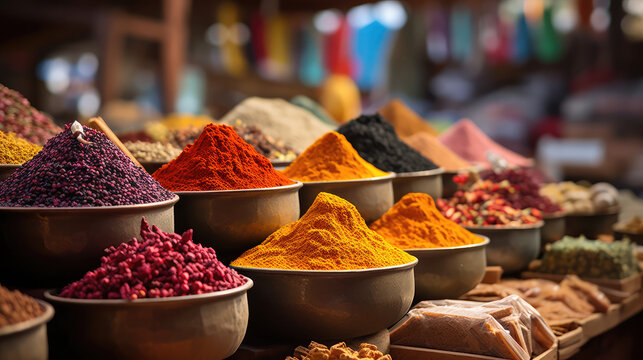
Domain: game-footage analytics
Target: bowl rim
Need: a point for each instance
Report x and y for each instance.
(392, 268)
(625, 232)
(536, 225)
(612, 210)
(553, 216)
(154, 162)
(485, 242)
(10, 166)
(49, 295)
(388, 176)
(280, 162)
(423, 173)
(296, 185)
(172, 201)
(41, 319)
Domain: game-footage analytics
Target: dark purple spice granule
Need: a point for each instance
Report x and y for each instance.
(69, 173)
(161, 265)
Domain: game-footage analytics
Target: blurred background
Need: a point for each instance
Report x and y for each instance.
(560, 81)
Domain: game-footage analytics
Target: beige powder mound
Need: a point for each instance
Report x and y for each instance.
(294, 126)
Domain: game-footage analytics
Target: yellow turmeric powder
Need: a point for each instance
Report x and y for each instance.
(415, 223)
(14, 150)
(330, 236)
(331, 157)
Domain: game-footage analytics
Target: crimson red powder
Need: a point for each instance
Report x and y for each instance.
(219, 159)
(470, 143)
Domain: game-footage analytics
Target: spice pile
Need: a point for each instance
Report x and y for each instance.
(431, 148)
(219, 160)
(405, 121)
(19, 117)
(330, 158)
(179, 137)
(160, 265)
(590, 258)
(581, 198)
(14, 150)
(69, 173)
(279, 119)
(182, 121)
(330, 236)
(16, 307)
(469, 142)
(315, 108)
(152, 151)
(519, 188)
(509, 328)
(486, 203)
(634, 226)
(341, 351)
(375, 141)
(415, 223)
(571, 300)
(264, 144)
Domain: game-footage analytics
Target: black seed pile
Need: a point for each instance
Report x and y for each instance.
(375, 140)
(69, 173)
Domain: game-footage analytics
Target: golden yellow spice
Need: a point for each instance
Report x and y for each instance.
(415, 223)
(331, 157)
(14, 150)
(330, 236)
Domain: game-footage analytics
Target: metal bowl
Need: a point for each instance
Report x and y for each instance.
(323, 305)
(372, 197)
(206, 326)
(28, 339)
(592, 225)
(450, 272)
(449, 187)
(427, 182)
(553, 228)
(152, 166)
(232, 221)
(48, 247)
(513, 248)
(7, 169)
(635, 238)
(280, 164)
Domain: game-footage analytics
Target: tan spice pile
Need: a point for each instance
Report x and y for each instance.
(405, 121)
(16, 307)
(431, 148)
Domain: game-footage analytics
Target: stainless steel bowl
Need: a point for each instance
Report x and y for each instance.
(232, 221)
(449, 187)
(280, 165)
(592, 225)
(28, 339)
(553, 228)
(49, 247)
(7, 169)
(207, 326)
(152, 166)
(372, 197)
(426, 182)
(322, 305)
(450, 272)
(513, 248)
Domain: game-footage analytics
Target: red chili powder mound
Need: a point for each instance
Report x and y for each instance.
(219, 159)
(470, 143)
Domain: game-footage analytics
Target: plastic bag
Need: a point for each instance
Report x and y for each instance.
(457, 329)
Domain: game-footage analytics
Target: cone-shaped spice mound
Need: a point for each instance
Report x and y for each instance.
(19, 117)
(219, 159)
(415, 223)
(376, 141)
(330, 158)
(431, 148)
(405, 121)
(69, 173)
(330, 236)
(469, 142)
(14, 150)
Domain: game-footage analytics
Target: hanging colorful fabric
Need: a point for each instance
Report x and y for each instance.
(548, 46)
(522, 41)
(311, 67)
(338, 50)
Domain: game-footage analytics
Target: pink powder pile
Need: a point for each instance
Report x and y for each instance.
(470, 143)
